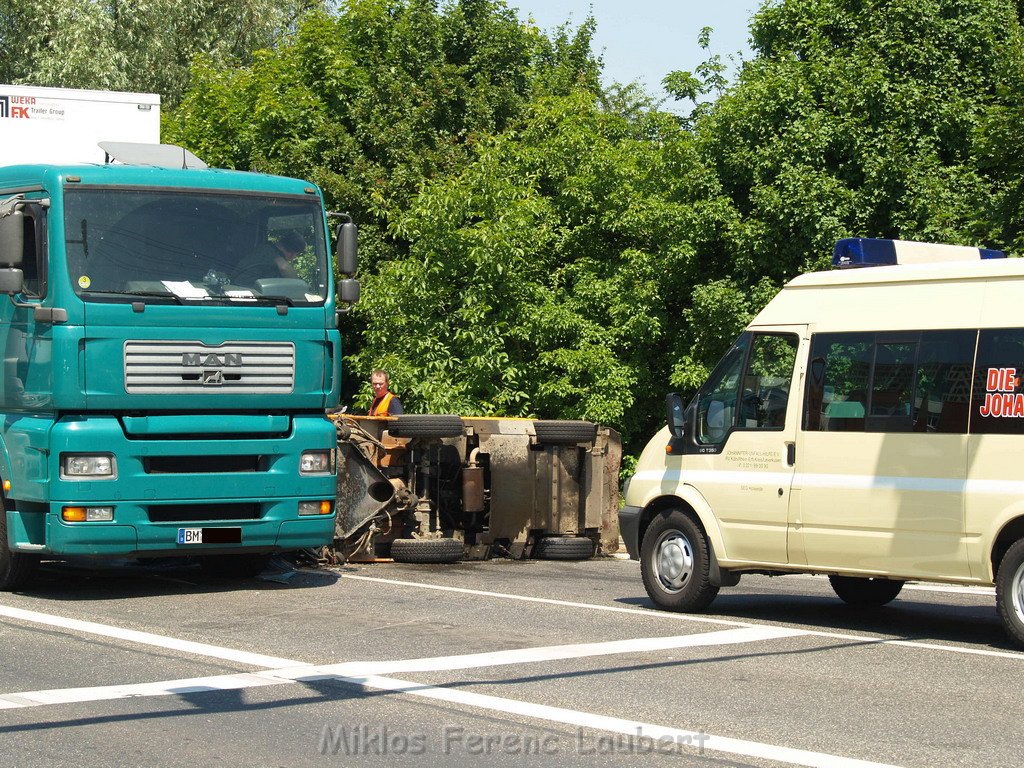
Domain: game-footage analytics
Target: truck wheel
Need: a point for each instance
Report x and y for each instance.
(426, 550)
(865, 593)
(675, 562)
(565, 432)
(563, 548)
(426, 425)
(245, 566)
(16, 568)
(1010, 591)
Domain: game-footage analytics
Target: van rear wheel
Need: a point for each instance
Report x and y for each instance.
(865, 592)
(675, 563)
(1010, 592)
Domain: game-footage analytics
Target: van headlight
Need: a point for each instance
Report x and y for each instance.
(98, 466)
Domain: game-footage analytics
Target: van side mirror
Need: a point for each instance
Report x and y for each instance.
(347, 252)
(675, 410)
(12, 237)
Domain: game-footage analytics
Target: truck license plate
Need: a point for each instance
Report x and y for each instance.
(209, 535)
(190, 535)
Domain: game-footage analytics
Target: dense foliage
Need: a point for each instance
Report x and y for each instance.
(536, 244)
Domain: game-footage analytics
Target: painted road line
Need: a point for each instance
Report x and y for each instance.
(689, 617)
(635, 730)
(629, 728)
(207, 684)
(298, 671)
(565, 652)
(146, 638)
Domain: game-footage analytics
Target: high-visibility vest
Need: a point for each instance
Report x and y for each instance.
(381, 409)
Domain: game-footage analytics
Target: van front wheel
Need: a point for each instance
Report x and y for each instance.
(864, 592)
(674, 563)
(1010, 591)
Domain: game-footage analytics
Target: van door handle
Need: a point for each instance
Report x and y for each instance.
(791, 454)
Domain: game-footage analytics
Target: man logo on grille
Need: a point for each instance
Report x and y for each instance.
(213, 378)
(226, 360)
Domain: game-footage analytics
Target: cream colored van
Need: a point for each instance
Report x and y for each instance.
(868, 425)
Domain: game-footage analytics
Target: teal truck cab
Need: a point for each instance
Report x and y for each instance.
(170, 346)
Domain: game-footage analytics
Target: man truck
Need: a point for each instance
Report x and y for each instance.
(166, 364)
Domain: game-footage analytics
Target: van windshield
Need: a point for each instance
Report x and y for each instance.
(178, 246)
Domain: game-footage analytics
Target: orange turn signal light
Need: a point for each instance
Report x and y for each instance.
(73, 514)
(325, 508)
(7, 485)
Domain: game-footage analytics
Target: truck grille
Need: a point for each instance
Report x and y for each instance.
(190, 513)
(239, 367)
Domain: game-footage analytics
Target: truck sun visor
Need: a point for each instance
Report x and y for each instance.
(870, 252)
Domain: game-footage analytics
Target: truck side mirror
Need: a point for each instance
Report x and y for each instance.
(346, 249)
(348, 291)
(676, 413)
(12, 238)
(12, 280)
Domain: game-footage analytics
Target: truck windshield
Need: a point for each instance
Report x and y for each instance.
(195, 246)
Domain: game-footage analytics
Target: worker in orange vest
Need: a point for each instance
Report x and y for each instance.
(385, 403)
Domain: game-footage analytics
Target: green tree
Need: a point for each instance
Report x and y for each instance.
(549, 278)
(143, 45)
(857, 117)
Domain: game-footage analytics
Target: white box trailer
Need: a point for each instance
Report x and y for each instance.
(62, 125)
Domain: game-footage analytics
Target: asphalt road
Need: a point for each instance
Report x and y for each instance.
(508, 663)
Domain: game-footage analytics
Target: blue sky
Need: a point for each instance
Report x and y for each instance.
(644, 40)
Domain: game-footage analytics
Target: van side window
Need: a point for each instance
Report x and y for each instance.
(767, 381)
(943, 392)
(837, 391)
(756, 399)
(907, 381)
(717, 400)
(997, 406)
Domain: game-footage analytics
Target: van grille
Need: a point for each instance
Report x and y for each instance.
(240, 367)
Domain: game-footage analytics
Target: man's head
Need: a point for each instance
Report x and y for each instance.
(379, 382)
(291, 244)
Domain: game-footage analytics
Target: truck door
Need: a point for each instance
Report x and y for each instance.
(743, 448)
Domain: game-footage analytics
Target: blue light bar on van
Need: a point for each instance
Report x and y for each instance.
(870, 252)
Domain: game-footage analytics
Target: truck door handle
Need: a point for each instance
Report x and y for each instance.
(791, 454)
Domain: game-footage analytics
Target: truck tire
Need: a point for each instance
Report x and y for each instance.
(864, 592)
(426, 550)
(1010, 591)
(16, 568)
(565, 432)
(675, 563)
(426, 425)
(563, 548)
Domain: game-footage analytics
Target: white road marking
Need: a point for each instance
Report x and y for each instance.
(145, 638)
(632, 728)
(654, 614)
(366, 674)
(297, 671)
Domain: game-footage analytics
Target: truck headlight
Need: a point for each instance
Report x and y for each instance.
(96, 465)
(316, 462)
